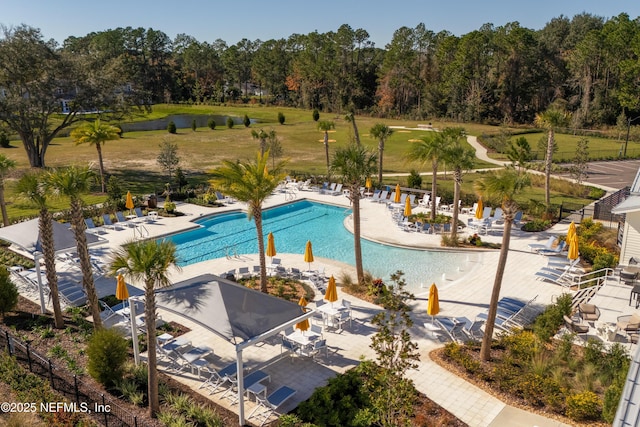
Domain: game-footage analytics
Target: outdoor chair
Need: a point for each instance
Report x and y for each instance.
(288, 346)
(319, 346)
(535, 247)
(551, 252)
(106, 219)
(341, 318)
(316, 329)
(575, 327)
(269, 405)
(92, 228)
(628, 278)
(629, 323)
(122, 220)
(383, 197)
(517, 218)
(588, 312)
(424, 202)
(139, 215)
(243, 272)
(295, 273)
(219, 378)
(253, 378)
(453, 328)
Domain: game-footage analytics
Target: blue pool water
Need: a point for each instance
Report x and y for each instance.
(293, 224)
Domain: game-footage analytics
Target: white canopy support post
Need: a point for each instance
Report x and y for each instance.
(134, 333)
(240, 385)
(37, 256)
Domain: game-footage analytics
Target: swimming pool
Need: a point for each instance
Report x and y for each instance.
(295, 223)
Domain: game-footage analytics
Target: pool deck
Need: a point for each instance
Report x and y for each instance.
(464, 294)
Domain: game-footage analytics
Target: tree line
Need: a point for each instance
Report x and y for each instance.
(496, 74)
(501, 74)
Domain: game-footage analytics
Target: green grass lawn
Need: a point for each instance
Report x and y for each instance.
(599, 148)
(133, 157)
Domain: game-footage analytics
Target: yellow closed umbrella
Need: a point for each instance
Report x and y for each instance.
(368, 183)
(129, 203)
(271, 246)
(433, 306)
(407, 207)
(571, 231)
(308, 254)
(304, 325)
(331, 293)
(122, 293)
(573, 247)
(397, 198)
(479, 210)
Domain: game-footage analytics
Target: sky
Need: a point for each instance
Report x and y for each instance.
(232, 21)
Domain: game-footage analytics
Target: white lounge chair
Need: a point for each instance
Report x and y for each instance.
(267, 406)
(453, 328)
(106, 219)
(534, 247)
(424, 202)
(383, 197)
(555, 251)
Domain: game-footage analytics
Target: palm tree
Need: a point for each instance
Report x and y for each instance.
(147, 261)
(73, 182)
(354, 164)
(96, 133)
(429, 149)
(252, 183)
(262, 136)
(505, 185)
(325, 126)
(381, 132)
(351, 118)
(551, 119)
(31, 189)
(459, 158)
(6, 165)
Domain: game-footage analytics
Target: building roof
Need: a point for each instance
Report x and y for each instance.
(229, 310)
(26, 235)
(632, 203)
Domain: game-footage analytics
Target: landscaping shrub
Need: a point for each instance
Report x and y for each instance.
(230, 122)
(107, 352)
(414, 180)
(316, 115)
(280, 118)
(612, 399)
(536, 225)
(4, 139)
(585, 406)
(194, 125)
(246, 121)
(338, 403)
(547, 324)
(521, 344)
(171, 127)
(211, 123)
(8, 292)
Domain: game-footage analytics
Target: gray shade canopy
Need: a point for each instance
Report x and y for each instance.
(230, 310)
(26, 235)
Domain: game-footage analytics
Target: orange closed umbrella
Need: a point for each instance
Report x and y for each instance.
(479, 210)
(122, 293)
(407, 207)
(308, 254)
(271, 246)
(397, 198)
(571, 231)
(331, 294)
(129, 203)
(368, 183)
(433, 306)
(304, 325)
(573, 247)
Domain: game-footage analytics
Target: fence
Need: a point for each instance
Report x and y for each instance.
(69, 385)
